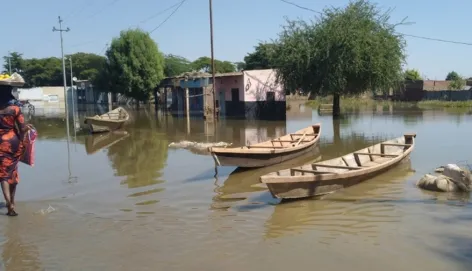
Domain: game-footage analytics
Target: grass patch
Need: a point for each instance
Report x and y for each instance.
(348, 102)
(444, 104)
(357, 102)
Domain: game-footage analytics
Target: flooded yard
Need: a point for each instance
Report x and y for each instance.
(131, 202)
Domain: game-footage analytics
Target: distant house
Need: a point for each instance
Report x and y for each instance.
(250, 94)
(418, 90)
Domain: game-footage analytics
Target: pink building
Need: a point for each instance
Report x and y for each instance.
(250, 94)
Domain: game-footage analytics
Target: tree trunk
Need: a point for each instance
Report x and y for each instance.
(336, 131)
(336, 106)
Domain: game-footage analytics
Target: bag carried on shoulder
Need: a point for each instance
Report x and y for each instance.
(28, 142)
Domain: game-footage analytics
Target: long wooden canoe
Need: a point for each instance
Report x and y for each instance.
(110, 121)
(316, 179)
(269, 152)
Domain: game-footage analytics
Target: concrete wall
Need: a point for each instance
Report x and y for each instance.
(226, 84)
(258, 82)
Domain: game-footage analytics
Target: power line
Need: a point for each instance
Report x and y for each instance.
(298, 6)
(406, 35)
(168, 17)
(101, 10)
(160, 12)
(440, 40)
(143, 21)
(79, 10)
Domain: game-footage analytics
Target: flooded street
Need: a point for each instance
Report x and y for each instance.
(131, 202)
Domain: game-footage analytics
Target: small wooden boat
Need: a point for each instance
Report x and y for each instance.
(269, 152)
(316, 179)
(110, 121)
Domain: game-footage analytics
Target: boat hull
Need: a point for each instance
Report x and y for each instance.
(257, 160)
(96, 126)
(299, 190)
(328, 176)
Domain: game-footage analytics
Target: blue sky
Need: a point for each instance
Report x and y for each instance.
(238, 26)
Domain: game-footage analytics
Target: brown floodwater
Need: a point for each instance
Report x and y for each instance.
(131, 202)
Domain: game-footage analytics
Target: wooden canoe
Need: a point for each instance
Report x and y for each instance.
(316, 179)
(269, 152)
(110, 121)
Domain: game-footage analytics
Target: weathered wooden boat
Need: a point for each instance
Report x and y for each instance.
(269, 152)
(316, 179)
(110, 121)
(96, 142)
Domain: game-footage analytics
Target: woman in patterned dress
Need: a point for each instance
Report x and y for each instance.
(12, 131)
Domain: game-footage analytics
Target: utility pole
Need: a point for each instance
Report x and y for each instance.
(9, 62)
(60, 30)
(212, 59)
(72, 89)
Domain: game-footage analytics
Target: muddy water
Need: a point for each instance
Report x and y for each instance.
(129, 202)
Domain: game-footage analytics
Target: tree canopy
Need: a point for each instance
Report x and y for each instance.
(176, 65)
(15, 61)
(452, 76)
(48, 71)
(457, 82)
(345, 51)
(203, 64)
(412, 74)
(135, 65)
(260, 58)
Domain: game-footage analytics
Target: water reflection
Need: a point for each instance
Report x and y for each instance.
(17, 254)
(140, 158)
(96, 142)
(359, 210)
(169, 201)
(241, 183)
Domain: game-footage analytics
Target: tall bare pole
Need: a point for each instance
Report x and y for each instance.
(72, 89)
(212, 59)
(60, 30)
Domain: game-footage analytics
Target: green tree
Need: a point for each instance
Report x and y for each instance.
(86, 66)
(452, 76)
(240, 66)
(176, 65)
(43, 72)
(412, 74)
(346, 51)
(261, 57)
(135, 65)
(15, 60)
(457, 83)
(204, 64)
(48, 71)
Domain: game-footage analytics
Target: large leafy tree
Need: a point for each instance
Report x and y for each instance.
(48, 71)
(15, 61)
(453, 76)
(345, 51)
(176, 65)
(204, 64)
(135, 65)
(412, 74)
(260, 58)
(86, 66)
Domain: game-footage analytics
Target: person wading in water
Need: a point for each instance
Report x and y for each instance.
(12, 132)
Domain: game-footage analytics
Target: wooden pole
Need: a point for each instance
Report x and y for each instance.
(212, 60)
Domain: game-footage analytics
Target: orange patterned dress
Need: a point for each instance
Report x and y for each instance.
(11, 146)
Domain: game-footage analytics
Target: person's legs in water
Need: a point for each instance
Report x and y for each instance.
(12, 199)
(7, 195)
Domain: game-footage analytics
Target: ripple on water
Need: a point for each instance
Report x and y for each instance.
(365, 209)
